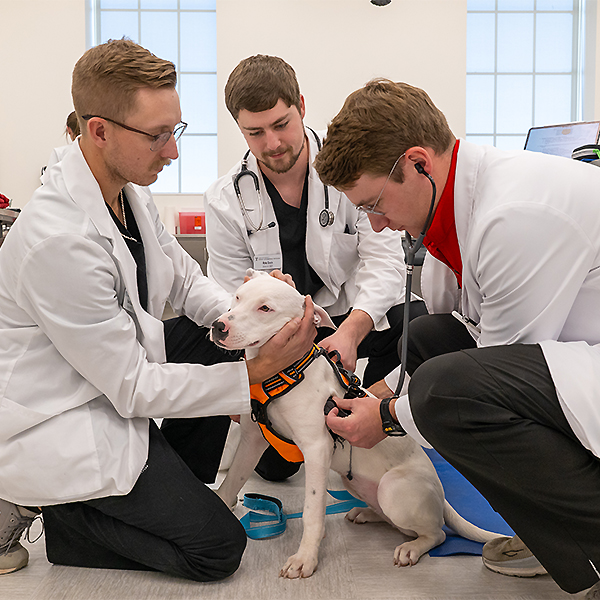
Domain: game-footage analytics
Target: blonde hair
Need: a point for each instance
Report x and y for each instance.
(375, 126)
(107, 77)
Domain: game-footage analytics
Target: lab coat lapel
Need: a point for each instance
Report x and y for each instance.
(159, 268)
(85, 192)
(266, 242)
(318, 239)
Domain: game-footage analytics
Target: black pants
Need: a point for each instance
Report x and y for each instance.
(380, 347)
(494, 415)
(170, 521)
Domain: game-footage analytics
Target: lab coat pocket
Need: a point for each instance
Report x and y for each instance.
(15, 418)
(344, 259)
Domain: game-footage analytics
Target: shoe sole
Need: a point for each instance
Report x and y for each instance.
(527, 567)
(12, 569)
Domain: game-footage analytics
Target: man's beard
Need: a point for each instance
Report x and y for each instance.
(286, 167)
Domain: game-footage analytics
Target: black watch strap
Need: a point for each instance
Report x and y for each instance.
(390, 427)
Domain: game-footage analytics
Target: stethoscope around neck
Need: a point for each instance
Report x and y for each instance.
(326, 217)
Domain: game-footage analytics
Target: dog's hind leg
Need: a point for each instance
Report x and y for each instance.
(317, 460)
(250, 449)
(414, 503)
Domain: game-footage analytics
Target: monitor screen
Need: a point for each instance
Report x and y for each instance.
(561, 140)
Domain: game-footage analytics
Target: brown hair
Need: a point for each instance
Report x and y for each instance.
(107, 77)
(375, 126)
(258, 83)
(72, 126)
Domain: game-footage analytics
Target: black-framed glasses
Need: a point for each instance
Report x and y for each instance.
(371, 210)
(158, 141)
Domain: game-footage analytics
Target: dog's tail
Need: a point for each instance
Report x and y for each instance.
(465, 528)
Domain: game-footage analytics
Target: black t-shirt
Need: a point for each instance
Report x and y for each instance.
(292, 238)
(133, 239)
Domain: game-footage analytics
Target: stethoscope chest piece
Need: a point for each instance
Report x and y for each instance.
(326, 218)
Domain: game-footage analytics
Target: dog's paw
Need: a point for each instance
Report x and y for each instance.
(363, 515)
(407, 554)
(299, 566)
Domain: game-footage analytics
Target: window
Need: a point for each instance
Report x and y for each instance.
(524, 67)
(184, 32)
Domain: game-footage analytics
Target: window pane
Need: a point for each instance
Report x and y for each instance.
(481, 4)
(198, 4)
(552, 99)
(554, 4)
(115, 25)
(554, 43)
(198, 42)
(514, 103)
(118, 4)
(481, 42)
(482, 140)
(515, 43)
(199, 103)
(168, 179)
(480, 103)
(511, 142)
(171, 4)
(198, 163)
(515, 4)
(159, 34)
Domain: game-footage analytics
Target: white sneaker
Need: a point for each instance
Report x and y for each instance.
(14, 520)
(510, 556)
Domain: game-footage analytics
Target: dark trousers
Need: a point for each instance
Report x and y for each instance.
(170, 521)
(494, 415)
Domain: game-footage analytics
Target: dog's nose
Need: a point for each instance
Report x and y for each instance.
(219, 330)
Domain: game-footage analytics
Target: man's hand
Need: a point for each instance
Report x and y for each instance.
(348, 336)
(285, 347)
(363, 427)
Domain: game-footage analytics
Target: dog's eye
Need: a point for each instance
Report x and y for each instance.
(264, 308)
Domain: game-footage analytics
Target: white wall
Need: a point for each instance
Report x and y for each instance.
(40, 42)
(336, 46)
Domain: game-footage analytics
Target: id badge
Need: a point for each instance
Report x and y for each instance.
(267, 262)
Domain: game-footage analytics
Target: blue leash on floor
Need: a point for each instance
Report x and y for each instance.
(259, 525)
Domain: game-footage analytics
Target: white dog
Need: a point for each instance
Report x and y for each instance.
(395, 478)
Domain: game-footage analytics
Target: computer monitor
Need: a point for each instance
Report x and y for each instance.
(561, 140)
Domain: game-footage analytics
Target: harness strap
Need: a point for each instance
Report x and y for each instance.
(262, 394)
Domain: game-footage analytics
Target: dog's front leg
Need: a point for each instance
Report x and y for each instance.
(250, 449)
(317, 461)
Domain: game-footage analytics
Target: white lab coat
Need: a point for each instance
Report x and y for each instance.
(55, 157)
(528, 228)
(359, 268)
(82, 365)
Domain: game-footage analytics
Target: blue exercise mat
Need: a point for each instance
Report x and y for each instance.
(469, 504)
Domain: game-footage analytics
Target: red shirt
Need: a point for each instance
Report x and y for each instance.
(441, 240)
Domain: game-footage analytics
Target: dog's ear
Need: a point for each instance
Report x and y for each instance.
(251, 274)
(322, 318)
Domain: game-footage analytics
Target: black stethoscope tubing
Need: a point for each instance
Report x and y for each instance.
(326, 217)
(409, 259)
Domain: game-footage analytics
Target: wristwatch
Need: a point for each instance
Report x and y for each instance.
(390, 427)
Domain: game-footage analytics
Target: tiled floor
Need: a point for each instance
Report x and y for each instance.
(355, 564)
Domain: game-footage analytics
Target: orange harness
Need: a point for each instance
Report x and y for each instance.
(262, 394)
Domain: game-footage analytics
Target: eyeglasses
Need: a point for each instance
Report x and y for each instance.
(158, 141)
(371, 210)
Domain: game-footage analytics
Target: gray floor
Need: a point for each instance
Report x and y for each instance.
(355, 564)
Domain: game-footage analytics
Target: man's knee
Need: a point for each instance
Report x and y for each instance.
(433, 387)
(222, 558)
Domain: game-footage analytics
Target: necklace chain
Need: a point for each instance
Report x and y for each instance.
(122, 200)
